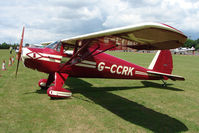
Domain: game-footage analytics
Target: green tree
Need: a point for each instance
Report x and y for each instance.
(4, 46)
(189, 43)
(197, 46)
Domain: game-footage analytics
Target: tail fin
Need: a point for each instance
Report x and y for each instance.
(162, 66)
(162, 62)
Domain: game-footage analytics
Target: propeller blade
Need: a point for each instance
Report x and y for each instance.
(20, 50)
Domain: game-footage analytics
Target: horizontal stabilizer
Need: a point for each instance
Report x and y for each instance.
(170, 76)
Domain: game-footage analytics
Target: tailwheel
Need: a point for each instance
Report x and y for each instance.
(57, 93)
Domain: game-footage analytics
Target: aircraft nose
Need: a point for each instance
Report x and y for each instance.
(24, 53)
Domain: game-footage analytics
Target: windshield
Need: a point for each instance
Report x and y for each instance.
(55, 46)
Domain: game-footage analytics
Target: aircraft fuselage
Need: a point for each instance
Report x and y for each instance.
(100, 66)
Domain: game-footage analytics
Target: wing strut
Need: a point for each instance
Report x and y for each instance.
(77, 53)
(104, 50)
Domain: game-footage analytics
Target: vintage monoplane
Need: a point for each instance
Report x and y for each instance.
(84, 56)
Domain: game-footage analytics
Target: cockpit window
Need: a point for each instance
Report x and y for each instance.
(55, 46)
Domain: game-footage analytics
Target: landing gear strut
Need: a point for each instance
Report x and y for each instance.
(57, 91)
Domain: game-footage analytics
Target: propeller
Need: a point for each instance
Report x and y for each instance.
(20, 50)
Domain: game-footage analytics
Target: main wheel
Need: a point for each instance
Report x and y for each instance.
(54, 92)
(42, 83)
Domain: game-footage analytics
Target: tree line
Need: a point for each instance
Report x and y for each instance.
(189, 43)
(192, 43)
(7, 46)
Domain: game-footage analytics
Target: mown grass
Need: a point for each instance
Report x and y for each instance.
(102, 105)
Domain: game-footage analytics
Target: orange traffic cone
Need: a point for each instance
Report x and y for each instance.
(13, 59)
(10, 62)
(3, 66)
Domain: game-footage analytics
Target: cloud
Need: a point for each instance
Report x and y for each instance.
(55, 20)
(178, 13)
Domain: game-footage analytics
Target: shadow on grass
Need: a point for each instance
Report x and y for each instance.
(40, 91)
(71, 82)
(126, 109)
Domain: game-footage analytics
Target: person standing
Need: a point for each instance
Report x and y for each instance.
(11, 50)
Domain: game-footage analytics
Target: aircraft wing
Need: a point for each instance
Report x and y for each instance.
(170, 76)
(148, 36)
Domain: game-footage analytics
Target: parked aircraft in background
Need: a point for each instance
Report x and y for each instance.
(88, 60)
(183, 50)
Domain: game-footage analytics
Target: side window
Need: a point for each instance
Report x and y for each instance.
(68, 49)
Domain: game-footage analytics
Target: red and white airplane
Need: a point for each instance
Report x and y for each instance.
(83, 56)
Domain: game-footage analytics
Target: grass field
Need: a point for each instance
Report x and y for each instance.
(102, 105)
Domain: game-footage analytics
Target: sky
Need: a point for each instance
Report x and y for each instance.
(51, 20)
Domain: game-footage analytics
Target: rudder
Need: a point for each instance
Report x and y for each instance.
(162, 62)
